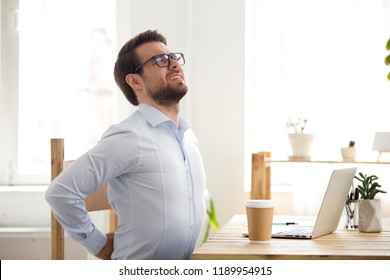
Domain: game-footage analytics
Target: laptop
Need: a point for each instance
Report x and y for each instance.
(330, 211)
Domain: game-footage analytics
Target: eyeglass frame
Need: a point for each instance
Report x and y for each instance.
(155, 57)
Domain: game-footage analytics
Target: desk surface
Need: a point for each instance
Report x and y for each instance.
(228, 243)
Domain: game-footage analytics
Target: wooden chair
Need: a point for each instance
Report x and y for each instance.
(261, 176)
(95, 202)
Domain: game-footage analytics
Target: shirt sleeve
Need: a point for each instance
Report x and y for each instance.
(110, 158)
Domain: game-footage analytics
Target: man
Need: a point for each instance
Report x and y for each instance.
(150, 160)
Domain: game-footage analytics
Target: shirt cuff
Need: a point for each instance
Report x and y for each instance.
(94, 242)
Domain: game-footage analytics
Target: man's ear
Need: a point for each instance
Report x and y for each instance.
(134, 81)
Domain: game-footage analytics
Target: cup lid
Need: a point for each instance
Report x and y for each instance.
(260, 203)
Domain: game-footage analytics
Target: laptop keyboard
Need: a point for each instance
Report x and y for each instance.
(297, 231)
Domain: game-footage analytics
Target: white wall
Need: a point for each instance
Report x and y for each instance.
(211, 35)
(217, 98)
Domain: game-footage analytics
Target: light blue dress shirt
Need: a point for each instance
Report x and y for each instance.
(156, 186)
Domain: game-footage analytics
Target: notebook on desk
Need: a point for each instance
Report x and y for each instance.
(332, 206)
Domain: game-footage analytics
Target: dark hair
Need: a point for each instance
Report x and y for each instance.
(127, 61)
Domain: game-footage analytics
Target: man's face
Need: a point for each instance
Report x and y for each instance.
(164, 85)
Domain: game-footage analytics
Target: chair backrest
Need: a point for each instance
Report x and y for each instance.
(261, 176)
(95, 202)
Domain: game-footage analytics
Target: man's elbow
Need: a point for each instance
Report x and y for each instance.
(50, 195)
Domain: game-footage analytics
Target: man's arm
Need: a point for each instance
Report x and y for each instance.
(66, 195)
(111, 157)
(106, 252)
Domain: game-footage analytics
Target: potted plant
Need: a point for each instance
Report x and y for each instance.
(370, 216)
(387, 58)
(349, 153)
(300, 142)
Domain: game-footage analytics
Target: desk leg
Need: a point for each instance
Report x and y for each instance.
(261, 176)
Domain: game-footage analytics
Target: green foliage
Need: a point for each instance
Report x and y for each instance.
(368, 188)
(212, 215)
(387, 58)
(351, 143)
(212, 218)
(298, 126)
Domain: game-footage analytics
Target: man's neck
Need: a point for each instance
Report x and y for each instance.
(171, 111)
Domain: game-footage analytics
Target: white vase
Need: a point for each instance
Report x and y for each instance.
(301, 145)
(370, 215)
(348, 154)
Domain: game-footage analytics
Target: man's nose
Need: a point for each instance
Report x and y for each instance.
(173, 63)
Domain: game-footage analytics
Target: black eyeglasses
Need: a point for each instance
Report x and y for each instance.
(163, 60)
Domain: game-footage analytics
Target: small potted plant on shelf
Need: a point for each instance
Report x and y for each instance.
(300, 142)
(370, 214)
(349, 153)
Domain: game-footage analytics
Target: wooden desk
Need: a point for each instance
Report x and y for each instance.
(343, 244)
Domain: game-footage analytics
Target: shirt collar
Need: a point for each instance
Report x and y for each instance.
(155, 117)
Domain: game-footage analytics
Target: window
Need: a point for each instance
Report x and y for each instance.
(320, 60)
(62, 53)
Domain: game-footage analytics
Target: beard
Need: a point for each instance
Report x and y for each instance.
(168, 95)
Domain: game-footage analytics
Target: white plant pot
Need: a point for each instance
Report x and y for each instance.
(370, 215)
(348, 154)
(301, 145)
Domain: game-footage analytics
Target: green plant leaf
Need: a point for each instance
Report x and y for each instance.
(212, 219)
(212, 216)
(387, 60)
(369, 188)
